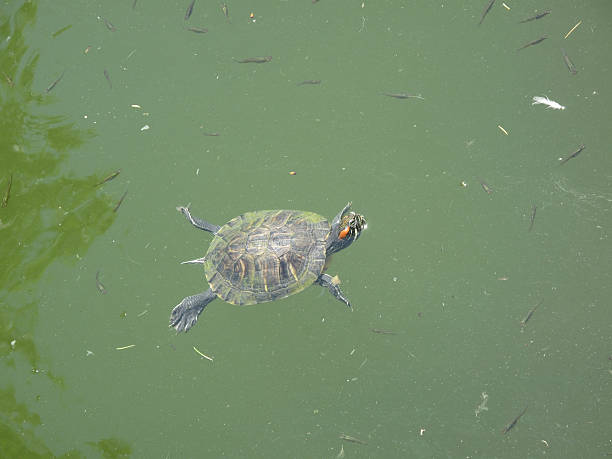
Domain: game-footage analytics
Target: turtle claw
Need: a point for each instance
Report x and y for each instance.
(186, 313)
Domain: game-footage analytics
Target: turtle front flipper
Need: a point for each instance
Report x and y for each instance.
(197, 222)
(325, 280)
(185, 314)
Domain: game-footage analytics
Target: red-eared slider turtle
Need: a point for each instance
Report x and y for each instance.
(267, 255)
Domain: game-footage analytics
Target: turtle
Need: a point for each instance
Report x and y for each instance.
(267, 255)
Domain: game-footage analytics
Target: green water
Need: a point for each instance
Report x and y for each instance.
(450, 269)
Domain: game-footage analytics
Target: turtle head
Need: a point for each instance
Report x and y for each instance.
(345, 229)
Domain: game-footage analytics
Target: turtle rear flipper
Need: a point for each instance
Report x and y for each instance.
(185, 314)
(325, 280)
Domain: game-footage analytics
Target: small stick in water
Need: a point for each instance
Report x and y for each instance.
(573, 28)
(203, 355)
(129, 346)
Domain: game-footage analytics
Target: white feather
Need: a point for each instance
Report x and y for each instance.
(549, 103)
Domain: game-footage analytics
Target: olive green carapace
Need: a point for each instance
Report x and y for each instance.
(266, 255)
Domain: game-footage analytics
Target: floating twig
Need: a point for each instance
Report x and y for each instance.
(203, 355)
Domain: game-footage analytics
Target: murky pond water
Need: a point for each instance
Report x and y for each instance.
(480, 288)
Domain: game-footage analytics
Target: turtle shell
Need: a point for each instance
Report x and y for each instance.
(266, 255)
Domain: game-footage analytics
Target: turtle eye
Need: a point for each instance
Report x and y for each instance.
(344, 232)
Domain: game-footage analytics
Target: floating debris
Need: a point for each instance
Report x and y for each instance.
(203, 355)
(483, 404)
(129, 346)
(549, 103)
(573, 28)
(292, 173)
(502, 129)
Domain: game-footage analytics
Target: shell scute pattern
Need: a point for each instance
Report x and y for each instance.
(266, 255)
